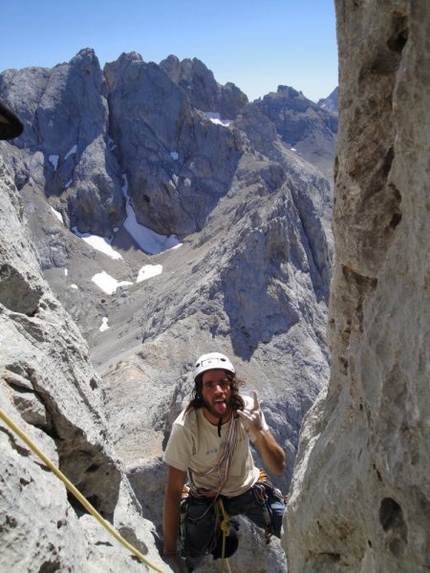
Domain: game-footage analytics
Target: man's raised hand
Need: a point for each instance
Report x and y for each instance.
(254, 418)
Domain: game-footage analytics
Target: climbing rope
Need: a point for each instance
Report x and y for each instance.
(25, 438)
(222, 465)
(225, 528)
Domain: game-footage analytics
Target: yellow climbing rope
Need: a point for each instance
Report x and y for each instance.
(225, 528)
(25, 438)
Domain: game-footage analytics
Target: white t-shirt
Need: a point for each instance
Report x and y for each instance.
(194, 444)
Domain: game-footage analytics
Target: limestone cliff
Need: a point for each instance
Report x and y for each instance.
(49, 388)
(360, 496)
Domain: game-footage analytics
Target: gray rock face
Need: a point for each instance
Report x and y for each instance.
(183, 163)
(164, 135)
(51, 391)
(63, 147)
(360, 495)
(203, 91)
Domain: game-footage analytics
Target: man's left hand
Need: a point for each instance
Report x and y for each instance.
(254, 418)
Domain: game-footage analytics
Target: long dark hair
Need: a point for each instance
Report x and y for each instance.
(236, 401)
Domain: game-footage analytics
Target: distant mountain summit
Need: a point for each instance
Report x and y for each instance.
(331, 103)
(162, 134)
(307, 127)
(202, 89)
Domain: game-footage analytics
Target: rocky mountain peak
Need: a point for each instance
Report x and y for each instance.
(86, 58)
(204, 92)
(304, 125)
(331, 102)
(295, 98)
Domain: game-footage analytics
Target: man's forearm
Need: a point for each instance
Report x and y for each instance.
(171, 517)
(271, 452)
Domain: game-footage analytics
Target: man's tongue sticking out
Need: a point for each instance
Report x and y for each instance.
(220, 407)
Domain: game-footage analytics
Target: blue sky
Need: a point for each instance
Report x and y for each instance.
(255, 44)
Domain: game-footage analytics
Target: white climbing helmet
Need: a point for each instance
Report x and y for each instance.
(211, 361)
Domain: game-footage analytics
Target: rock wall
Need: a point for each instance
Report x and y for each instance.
(360, 497)
(49, 388)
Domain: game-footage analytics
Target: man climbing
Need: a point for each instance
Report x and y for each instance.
(209, 447)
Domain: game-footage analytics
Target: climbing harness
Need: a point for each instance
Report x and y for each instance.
(25, 438)
(224, 541)
(260, 490)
